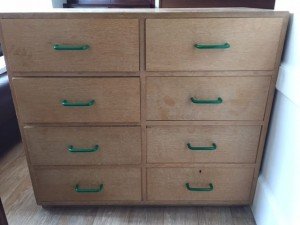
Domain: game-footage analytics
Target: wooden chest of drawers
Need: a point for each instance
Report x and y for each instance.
(144, 106)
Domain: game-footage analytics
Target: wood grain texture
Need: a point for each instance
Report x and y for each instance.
(170, 44)
(33, 50)
(202, 165)
(82, 74)
(13, 170)
(269, 105)
(35, 214)
(241, 215)
(205, 122)
(143, 108)
(116, 99)
(169, 183)
(215, 216)
(21, 208)
(180, 216)
(57, 184)
(117, 145)
(235, 144)
(97, 13)
(231, 73)
(3, 219)
(16, 108)
(169, 98)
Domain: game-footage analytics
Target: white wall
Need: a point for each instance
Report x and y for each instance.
(277, 193)
(24, 5)
(11, 5)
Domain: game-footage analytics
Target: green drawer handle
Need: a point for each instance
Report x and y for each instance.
(210, 188)
(220, 46)
(59, 47)
(88, 190)
(219, 100)
(206, 148)
(78, 104)
(72, 149)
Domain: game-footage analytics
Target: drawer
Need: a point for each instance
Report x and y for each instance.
(170, 44)
(196, 144)
(83, 145)
(97, 44)
(199, 184)
(93, 184)
(207, 98)
(48, 100)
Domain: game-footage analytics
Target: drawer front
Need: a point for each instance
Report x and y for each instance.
(228, 183)
(253, 44)
(46, 100)
(83, 145)
(59, 184)
(194, 144)
(113, 44)
(197, 98)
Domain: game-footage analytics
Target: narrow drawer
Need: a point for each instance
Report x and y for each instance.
(83, 145)
(207, 98)
(48, 100)
(199, 184)
(93, 184)
(72, 45)
(196, 144)
(223, 44)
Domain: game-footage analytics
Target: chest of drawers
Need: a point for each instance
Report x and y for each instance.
(144, 106)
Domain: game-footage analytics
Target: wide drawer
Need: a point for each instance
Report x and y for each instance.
(47, 100)
(83, 145)
(206, 98)
(253, 43)
(91, 184)
(80, 44)
(196, 184)
(192, 144)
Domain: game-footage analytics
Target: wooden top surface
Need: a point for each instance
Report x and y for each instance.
(134, 13)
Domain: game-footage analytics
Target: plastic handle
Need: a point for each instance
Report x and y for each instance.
(210, 188)
(59, 47)
(219, 100)
(89, 190)
(217, 46)
(204, 148)
(72, 149)
(77, 104)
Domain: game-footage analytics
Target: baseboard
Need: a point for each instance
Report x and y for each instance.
(265, 208)
(288, 83)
